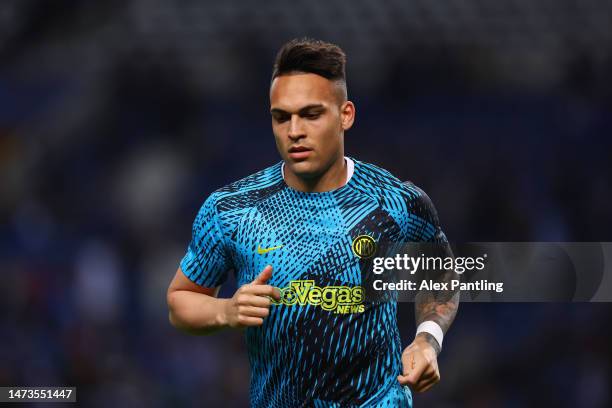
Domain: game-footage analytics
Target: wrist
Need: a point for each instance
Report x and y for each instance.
(431, 332)
(222, 315)
(428, 340)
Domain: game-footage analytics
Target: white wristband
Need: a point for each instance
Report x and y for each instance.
(432, 328)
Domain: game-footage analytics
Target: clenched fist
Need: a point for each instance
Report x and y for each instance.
(251, 302)
(420, 365)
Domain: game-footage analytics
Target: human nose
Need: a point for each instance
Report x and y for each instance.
(295, 128)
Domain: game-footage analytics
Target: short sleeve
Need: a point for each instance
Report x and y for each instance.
(207, 261)
(431, 237)
(423, 207)
(435, 232)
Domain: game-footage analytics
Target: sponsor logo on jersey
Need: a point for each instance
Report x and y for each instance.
(338, 299)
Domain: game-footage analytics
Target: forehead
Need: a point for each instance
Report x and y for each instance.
(290, 92)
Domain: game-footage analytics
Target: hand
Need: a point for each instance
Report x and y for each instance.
(420, 365)
(250, 304)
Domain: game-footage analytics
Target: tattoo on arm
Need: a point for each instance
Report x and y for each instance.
(439, 306)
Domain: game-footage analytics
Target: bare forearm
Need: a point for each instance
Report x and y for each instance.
(438, 306)
(428, 307)
(196, 313)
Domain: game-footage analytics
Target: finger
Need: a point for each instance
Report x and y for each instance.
(252, 311)
(249, 321)
(426, 385)
(430, 377)
(407, 380)
(253, 300)
(415, 373)
(262, 290)
(264, 276)
(428, 373)
(407, 364)
(403, 379)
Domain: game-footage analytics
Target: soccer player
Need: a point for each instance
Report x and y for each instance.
(298, 236)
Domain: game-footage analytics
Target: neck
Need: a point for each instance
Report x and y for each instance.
(332, 178)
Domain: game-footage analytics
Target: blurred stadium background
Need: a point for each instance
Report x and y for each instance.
(118, 118)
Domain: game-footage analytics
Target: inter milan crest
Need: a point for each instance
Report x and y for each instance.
(364, 246)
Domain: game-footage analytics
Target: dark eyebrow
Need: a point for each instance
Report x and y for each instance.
(316, 106)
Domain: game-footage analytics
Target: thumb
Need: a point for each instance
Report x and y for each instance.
(409, 375)
(264, 276)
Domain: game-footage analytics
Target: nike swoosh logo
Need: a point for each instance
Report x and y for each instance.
(262, 251)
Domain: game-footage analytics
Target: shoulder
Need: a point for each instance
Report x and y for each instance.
(421, 205)
(266, 178)
(392, 192)
(244, 193)
(374, 180)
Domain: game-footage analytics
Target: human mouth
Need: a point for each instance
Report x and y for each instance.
(299, 152)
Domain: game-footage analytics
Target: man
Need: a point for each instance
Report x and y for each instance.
(299, 236)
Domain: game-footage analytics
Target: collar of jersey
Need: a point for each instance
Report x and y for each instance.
(350, 170)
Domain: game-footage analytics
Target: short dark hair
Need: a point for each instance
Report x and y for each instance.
(311, 56)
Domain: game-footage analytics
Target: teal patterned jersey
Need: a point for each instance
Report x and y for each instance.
(325, 344)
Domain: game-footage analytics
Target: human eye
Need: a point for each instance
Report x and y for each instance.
(312, 115)
(280, 118)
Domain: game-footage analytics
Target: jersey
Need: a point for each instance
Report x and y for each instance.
(325, 344)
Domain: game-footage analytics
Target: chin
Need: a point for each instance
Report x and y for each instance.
(305, 169)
